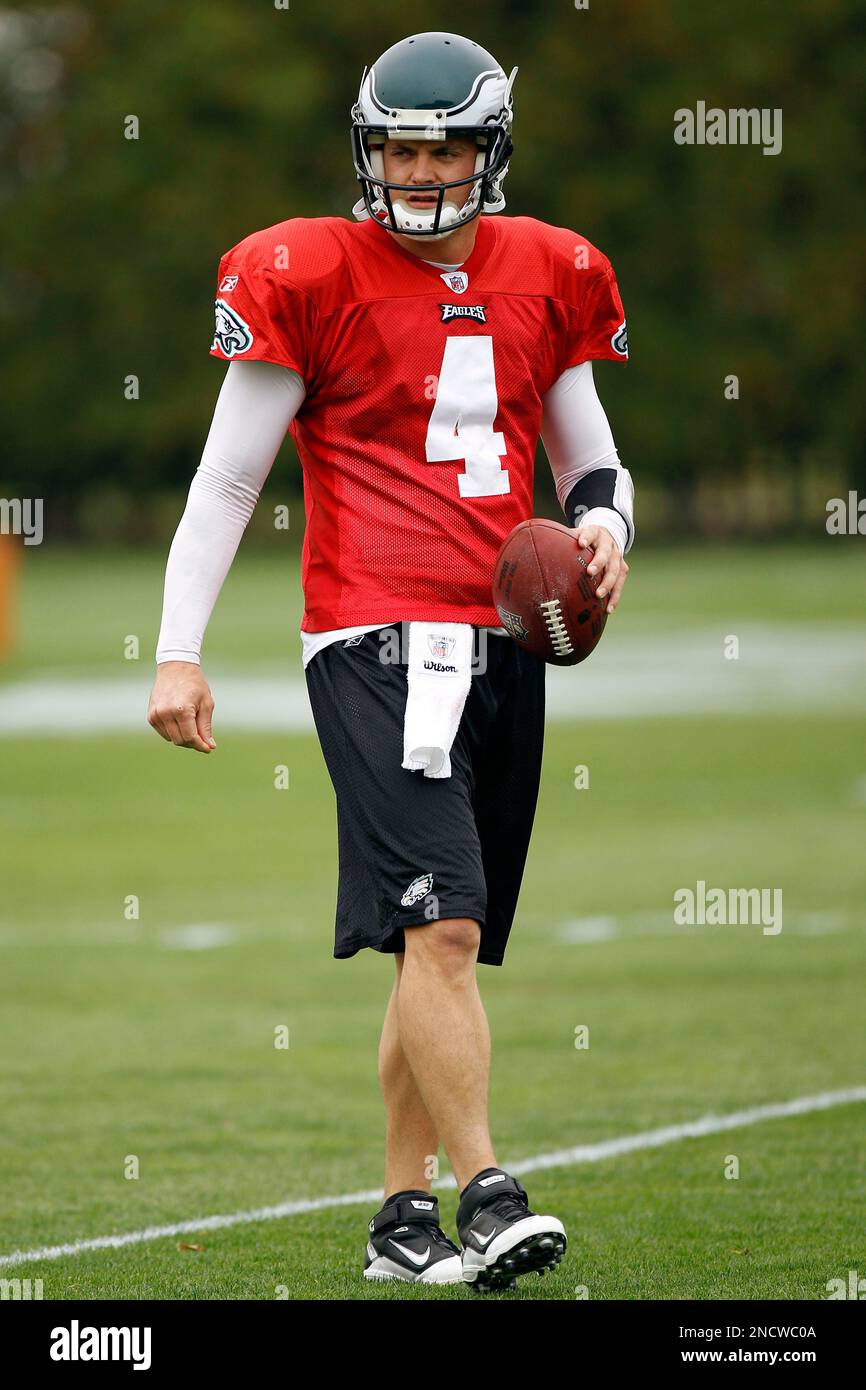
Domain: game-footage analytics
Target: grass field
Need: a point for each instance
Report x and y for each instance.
(148, 1038)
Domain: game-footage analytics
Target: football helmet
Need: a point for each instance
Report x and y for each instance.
(430, 87)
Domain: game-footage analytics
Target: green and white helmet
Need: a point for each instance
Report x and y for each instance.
(432, 87)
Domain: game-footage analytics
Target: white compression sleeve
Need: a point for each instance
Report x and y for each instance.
(256, 405)
(578, 441)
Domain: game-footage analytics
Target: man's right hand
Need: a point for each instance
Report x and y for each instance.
(181, 706)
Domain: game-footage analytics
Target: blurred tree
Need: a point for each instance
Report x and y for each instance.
(729, 261)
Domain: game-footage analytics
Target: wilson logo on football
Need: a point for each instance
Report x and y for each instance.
(231, 335)
(464, 311)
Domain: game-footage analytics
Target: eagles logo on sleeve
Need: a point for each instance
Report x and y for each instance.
(619, 341)
(231, 335)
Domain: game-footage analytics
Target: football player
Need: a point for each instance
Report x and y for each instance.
(417, 354)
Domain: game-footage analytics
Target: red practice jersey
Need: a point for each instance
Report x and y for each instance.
(417, 435)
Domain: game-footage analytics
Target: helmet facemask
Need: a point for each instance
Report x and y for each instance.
(382, 199)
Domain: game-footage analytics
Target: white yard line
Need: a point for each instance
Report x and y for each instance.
(561, 1158)
(588, 931)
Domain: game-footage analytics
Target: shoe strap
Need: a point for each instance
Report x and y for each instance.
(404, 1213)
(477, 1196)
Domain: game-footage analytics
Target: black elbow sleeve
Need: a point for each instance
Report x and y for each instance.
(595, 489)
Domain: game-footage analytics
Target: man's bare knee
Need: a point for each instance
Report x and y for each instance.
(450, 945)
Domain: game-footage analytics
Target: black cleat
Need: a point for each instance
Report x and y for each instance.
(407, 1242)
(503, 1239)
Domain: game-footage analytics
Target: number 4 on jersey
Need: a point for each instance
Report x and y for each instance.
(464, 413)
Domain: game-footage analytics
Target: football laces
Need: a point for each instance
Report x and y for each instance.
(559, 638)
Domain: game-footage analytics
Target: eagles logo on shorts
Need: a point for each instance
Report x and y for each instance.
(231, 334)
(418, 889)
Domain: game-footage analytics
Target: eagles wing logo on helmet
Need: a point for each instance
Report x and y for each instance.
(432, 87)
(231, 334)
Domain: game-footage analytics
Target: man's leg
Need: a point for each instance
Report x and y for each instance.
(405, 1239)
(410, 1136)
(445, 1039)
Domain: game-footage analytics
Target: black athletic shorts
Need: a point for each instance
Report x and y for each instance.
(413, 849)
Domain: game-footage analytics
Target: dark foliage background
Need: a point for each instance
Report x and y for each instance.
(729, 261)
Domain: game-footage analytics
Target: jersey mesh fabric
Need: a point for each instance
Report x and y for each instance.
(368, 326)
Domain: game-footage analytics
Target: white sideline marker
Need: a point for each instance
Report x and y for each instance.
(560, 1158)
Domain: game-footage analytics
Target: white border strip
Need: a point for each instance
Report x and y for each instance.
(561, 1158)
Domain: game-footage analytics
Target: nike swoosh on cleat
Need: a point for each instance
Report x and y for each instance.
(412, 1255)
(482, 1240)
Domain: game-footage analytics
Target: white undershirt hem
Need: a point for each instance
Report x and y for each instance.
(312, 642)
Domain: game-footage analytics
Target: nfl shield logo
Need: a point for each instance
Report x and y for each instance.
(456, 280)
(440, 647)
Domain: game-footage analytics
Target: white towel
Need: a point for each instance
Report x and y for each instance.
(439, 676)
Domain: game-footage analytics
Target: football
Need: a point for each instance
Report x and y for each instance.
(545, 596)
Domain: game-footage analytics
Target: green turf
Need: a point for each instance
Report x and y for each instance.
(116, 1043)
(661, 1225)
(79, 606)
